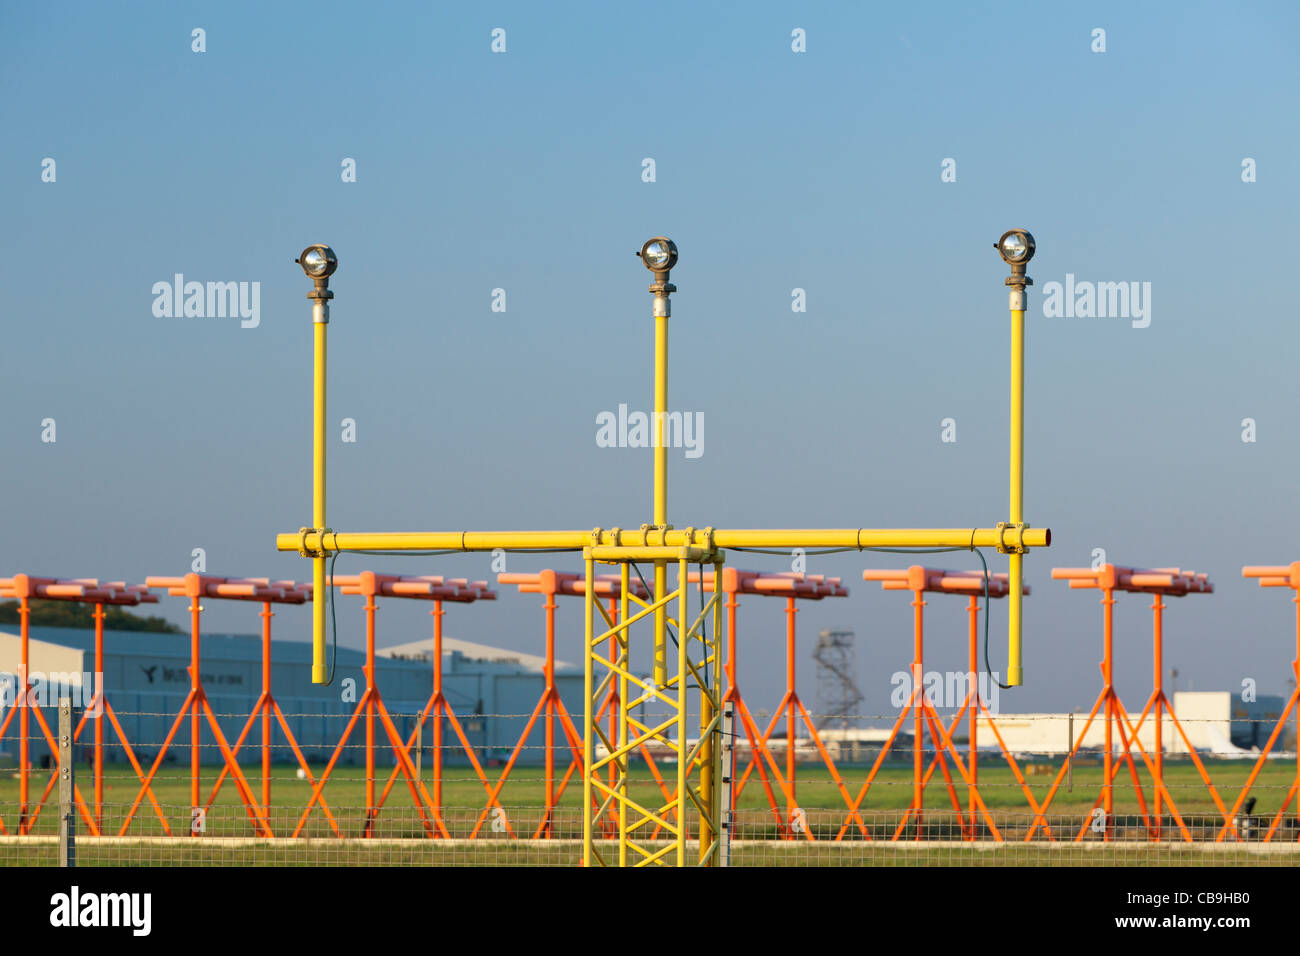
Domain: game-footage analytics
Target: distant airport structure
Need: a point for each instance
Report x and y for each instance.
(146, 680)
(1218, 723)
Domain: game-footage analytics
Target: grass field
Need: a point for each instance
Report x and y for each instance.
(399, 833)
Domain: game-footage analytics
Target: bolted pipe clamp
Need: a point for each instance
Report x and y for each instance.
(1018, 545)
(649, 530)
(307, 552)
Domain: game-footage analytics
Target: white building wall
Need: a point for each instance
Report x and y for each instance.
(1205, 716)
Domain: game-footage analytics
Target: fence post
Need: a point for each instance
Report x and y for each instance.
(67, 805)
(1069, 749)
(728, 771)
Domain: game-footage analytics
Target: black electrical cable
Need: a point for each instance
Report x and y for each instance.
(815, 551)
(650, 591)
(416, 554)
(987, 666)
(334, 620)
(704, 622)
(334, 624)
(329, 596)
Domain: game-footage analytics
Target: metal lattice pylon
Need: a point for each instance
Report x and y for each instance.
(838, 695)
(693, 679)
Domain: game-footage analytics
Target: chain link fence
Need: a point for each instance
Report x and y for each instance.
(828, 806)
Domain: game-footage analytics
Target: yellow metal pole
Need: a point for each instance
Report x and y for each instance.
(624, 663)
(661, 478)
(320, 325)
(1015, 671)
(1016, 248)
(715, 797)
(589, 710)
(683, 746)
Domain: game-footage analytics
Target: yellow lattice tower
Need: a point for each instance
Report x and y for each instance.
(687, 680)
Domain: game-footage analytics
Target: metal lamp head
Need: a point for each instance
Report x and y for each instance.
(659, 255)
(319, 262)
(1016, 247)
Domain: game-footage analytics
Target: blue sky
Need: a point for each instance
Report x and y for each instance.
(774, 171)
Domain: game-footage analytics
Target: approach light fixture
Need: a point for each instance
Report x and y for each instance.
(1016, 247)
(318, 261)
(659, 254)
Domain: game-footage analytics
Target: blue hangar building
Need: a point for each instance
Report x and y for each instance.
(146, 679)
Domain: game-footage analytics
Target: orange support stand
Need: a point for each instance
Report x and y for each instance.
(925, 718)
(269, 593)
(82, 590)
(1284, 576)
(973, 585)
(550, 707)
(459, 591)
(116, 593)
(793, 586)
(370, 585)
(731, 585)
(196, 707)
(1158, 582)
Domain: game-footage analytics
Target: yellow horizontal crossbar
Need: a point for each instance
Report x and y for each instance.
(311, 541)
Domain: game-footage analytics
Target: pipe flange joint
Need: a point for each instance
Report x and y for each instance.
(1017, 282)
(661, 288)
(1017, 545)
